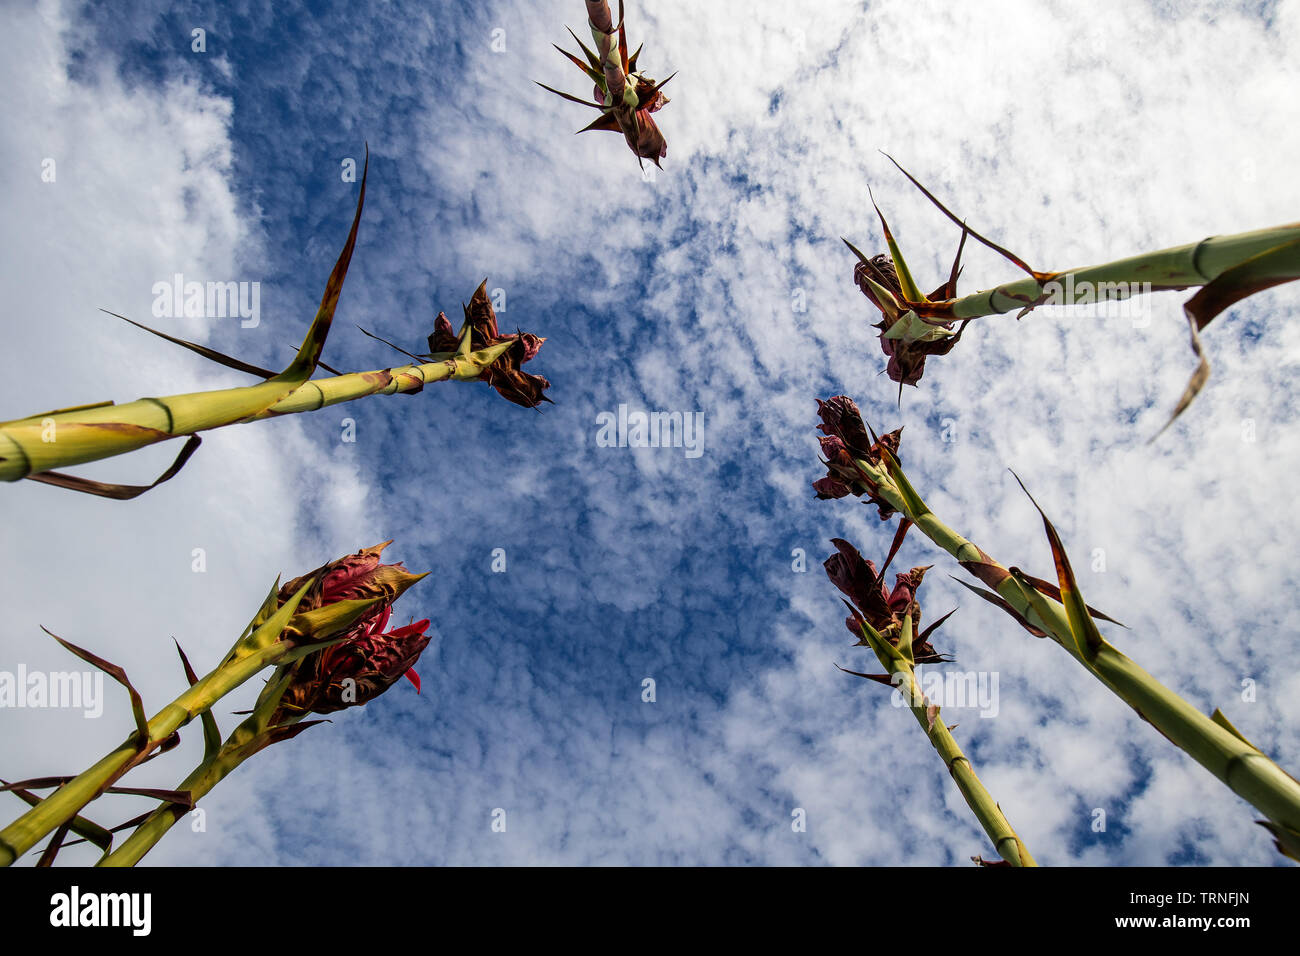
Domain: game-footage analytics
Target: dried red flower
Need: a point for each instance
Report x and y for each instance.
(882, 608)
(505, 374)
(369, 659)
(845, 441)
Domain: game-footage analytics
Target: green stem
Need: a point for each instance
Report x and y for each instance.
(1193, 264)
(66, 802)
(41, 443)
(1232, 759)
(1005, 839)
(244, 741)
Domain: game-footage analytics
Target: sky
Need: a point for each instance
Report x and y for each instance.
(718, 285)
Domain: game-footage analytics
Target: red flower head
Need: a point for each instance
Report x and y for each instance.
(906, 356)
(504, 374)
(846, 440)
(369, 659)
(624, 96)
(882, 608)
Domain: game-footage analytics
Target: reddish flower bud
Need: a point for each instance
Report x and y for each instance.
(829, 487)
(906, 357)
(648, 142)
(624, 95)
(504, 374)
(847, 441)
(444, 336)
(357, 670)
(369, 659)
(880, 607)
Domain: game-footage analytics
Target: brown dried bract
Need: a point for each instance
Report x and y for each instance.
(846, 441)
(883, 608)
(505, 374)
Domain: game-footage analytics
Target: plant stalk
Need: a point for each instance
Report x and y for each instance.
(41, 443)
(1214, 745)
(244, 741)
(1186, 266)
(65, 803)
(1005, 839)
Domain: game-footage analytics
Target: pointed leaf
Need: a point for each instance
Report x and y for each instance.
(949, 289)
(55, 845)
(1052, 591)
(1276, 266)
(916, 508)
(911, 292)
(905, 640)
(418, 360)
(313, 344)
(897, 543)
(605, 122)
(312, 629)
(104, 489)
(1285, 839)
(319, 364)
(590, 54)
(934, 627)
(211, 732)
(998, 601)
(118, 674)
(568, 96)
(1009, 256)
(413, 677)
(622, 38)
(289, 731)
(183, 798)
(878, 678)
(879, 643)
(1222, 720)
(91, 831)
(269, 632)
(1082, 627)
(36, 783)
(211, 354)
(592, 74)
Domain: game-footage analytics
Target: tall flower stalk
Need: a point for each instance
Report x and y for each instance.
(350, 673)
(861, 465)
(884, 621)
(34, 446)
(625, 96)
(324, 635)
(1224, 270)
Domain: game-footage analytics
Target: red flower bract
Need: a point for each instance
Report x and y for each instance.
(906, 359)
(622, 93)
(369, 659)
(845, 441)
(882, 608)
(504, 374)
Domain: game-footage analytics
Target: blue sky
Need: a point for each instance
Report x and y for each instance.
(1071, 137)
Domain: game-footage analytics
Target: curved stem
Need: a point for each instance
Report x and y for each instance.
(1231, 758)
(66, 802)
